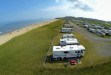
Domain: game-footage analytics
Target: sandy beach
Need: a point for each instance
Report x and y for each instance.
(6, 37)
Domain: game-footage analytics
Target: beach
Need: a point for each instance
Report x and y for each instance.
(8, 36)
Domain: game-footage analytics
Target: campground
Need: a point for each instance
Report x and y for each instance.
(24, 54)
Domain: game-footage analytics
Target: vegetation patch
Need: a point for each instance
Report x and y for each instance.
(91, 57)
(24, 54)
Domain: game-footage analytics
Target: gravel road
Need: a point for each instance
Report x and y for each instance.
(102, 45)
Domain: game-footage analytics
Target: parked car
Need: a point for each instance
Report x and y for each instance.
(73, 62)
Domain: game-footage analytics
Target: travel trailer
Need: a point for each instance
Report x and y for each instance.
(68, 36)
(69, 51)
(66, 30)
(68, 41)
(68, 25)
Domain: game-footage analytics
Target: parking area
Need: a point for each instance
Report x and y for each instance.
(102, 45)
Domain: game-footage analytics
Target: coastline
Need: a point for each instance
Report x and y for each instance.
(8, 36)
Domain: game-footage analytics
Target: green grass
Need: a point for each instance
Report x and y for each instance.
(24, 55)
(103, 69)
(91, 57)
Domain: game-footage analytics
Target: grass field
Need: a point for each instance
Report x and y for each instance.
(23, 55)
(91, 57)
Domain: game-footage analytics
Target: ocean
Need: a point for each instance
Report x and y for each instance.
(12, 26)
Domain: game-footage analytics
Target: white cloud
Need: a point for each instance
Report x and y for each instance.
(99, 9)
(102, 9)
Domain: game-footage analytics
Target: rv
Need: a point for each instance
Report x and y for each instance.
(69, 51)
(68, 36)
(68, 25)
(69, 41)
(66, 30)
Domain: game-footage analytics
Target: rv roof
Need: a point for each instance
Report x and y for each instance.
(81, 47)
(69, 39)
(66, 28)
(68, 36)
(68, 48)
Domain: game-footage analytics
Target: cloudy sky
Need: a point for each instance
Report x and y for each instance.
(32, 9)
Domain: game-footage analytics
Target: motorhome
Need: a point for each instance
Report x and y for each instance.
(68, 25)
(66, 30)
(69, 51)
(68, 36)
(69, 41)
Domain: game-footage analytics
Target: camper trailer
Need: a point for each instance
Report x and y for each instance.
(68, 41)
(68, 36)
(69, 51)
(68, 25)
(66, 30)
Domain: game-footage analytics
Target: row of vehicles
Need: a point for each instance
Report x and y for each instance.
(98, 29)
(69, 47)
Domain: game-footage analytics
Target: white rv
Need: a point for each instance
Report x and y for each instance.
(68, 36)
(69, 41)
(66, 30)
(68, 25)
(68, 51)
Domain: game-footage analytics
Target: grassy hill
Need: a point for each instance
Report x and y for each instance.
(103, 69)
(23, 55)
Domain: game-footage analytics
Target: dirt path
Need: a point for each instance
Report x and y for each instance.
(102, 45)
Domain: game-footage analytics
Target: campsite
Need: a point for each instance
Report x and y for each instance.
(55, 37)
(31, 56)
(92, 55)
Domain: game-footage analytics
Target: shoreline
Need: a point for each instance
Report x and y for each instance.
(10, 35)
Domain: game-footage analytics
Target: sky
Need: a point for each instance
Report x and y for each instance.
(13, 10)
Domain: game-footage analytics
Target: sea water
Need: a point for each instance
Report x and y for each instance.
(12, 26)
